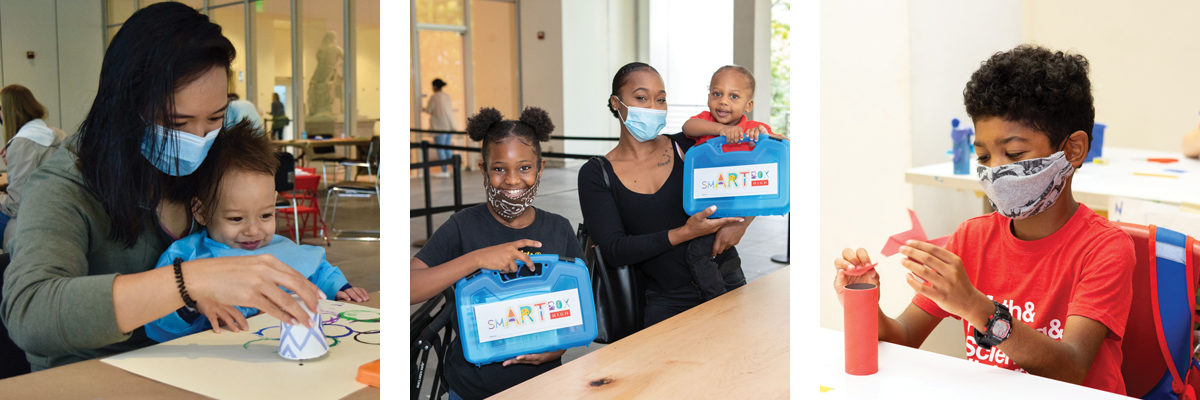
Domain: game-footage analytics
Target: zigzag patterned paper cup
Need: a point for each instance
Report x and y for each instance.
(299, 343)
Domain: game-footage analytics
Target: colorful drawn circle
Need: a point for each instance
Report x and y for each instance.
(358, 337)
(360, 315)
(348, 330)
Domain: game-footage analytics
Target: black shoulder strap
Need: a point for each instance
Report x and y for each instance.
(603, 172)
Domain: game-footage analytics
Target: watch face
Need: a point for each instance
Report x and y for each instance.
(1000, 329)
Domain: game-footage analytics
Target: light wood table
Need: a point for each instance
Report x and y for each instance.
(93, 379)
(306, 145)
(732, 347)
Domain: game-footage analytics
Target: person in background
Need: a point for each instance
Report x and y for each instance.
(27, 142)
(279, 118)
(241, 109)
(441, 118)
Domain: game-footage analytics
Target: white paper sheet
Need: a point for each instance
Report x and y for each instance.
(246, 365)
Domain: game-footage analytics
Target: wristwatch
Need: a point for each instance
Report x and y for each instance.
(999, 325)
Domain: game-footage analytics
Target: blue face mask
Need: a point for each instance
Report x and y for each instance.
(182, 149)
(644, 123)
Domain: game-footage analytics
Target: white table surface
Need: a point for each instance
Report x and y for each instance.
(1095, 184)
(906, 372)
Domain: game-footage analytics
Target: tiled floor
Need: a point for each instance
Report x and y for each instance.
(766, 237)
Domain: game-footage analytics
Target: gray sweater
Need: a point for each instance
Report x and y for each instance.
(57, 297)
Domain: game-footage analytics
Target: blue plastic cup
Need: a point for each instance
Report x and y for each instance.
(1097, 142)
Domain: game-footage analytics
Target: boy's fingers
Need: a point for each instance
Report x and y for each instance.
(850, 257)
(863, 256)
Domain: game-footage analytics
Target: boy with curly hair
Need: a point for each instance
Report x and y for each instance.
(1043, 285)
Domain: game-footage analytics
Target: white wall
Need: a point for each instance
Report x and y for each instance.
(1143, 57)
(948, 43)
(65, 37)
(598, 38)
(542, 60)
(752, 49)
(81, 51)
(689, 40)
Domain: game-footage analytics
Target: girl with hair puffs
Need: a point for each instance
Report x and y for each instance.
(496, 235)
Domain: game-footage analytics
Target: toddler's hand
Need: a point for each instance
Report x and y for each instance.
(732, 134)
(220, 314)
(355, 294)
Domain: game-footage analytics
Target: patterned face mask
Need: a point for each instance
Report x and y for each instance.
(1027, 187)
(509, 208)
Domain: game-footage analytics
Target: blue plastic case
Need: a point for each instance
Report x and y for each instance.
(740, 179)
(525, 312)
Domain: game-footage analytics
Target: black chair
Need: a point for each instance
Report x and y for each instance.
(355, 189)
(285, 181)
(12, 358)
(430, 334)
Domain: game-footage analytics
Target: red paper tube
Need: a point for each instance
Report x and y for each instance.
(861, 323)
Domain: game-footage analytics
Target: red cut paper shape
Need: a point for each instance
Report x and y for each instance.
(916, 233)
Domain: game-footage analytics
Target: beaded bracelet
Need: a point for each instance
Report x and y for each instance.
(187, 300)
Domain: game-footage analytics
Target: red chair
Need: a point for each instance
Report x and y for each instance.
(1142, 365)
(307, 209)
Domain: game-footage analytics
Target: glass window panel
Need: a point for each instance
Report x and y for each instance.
(322, 60)
(445, 12)
(366, 63)
(273, 58)
(232, 20)
(120, 10)
(442, 58)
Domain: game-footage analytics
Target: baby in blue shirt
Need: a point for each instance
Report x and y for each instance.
(237, 208)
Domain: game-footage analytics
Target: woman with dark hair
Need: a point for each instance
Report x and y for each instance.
(636, 215)
(109, 201)
(27, 142)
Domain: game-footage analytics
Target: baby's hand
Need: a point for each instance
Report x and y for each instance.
(355, 294)
(732, 134)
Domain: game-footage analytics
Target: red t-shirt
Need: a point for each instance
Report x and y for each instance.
(1085, 268)
(744, 123)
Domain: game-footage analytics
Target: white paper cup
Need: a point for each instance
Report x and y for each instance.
(299, 343)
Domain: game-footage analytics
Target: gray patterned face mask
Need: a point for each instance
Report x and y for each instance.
(509, 208)
(1027, 187)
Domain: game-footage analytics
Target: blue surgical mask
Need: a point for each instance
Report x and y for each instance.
(644, 123)
(182, 149)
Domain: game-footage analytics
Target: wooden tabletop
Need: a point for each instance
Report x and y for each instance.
(95, 379)
(734, 347)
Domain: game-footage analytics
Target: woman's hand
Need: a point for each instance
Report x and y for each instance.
(852, 260)
(252, 281)
(503, 257)
(534, 359)
(699, 225)
(355, 294)
(219, 314)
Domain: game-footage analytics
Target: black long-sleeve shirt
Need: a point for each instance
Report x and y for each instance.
(631, 228)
